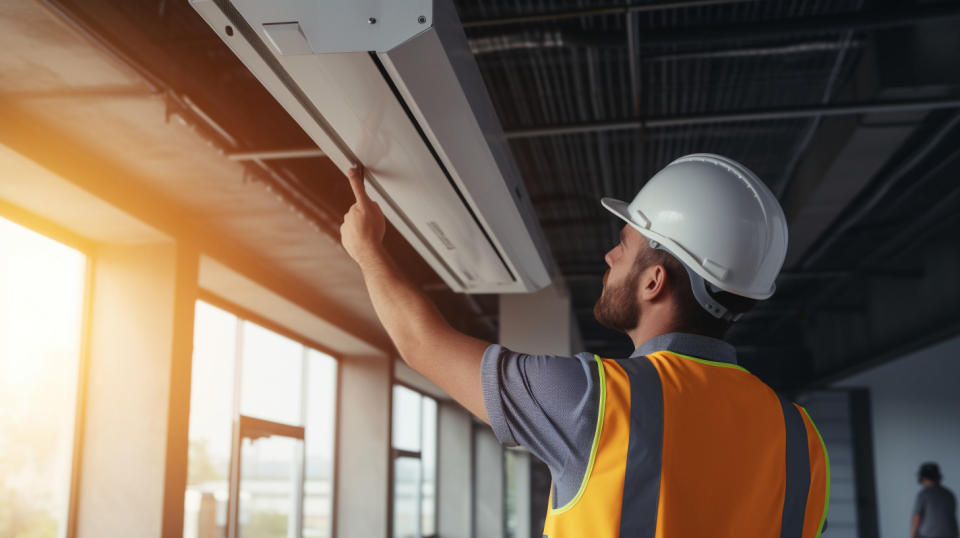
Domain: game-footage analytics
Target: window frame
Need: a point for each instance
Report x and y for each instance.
(245, 315)
(253, 428)
(396, 453)
(60, 234)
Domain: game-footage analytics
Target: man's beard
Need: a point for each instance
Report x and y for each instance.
(617, 308)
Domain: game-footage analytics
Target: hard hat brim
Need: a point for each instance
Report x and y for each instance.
(621, 210)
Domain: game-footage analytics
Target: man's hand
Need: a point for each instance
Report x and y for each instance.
(363, 225)
(423, 338)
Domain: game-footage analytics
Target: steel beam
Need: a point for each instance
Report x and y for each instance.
(818, 24)
(737, 116)
(933, 216)
(593, 12)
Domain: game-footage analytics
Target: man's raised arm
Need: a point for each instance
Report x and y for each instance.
(424, 339)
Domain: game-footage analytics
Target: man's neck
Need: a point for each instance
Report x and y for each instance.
(646, 331)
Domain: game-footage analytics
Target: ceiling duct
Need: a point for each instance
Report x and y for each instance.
(394, 85)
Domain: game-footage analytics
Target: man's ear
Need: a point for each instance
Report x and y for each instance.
(653, 283)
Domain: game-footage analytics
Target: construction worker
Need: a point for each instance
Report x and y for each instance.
(676, 440)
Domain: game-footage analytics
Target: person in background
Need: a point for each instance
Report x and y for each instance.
(935, 511)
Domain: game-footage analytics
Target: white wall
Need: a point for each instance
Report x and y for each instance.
(915, 405)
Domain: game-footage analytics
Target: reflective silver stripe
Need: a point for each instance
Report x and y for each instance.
(797, 472)
(641, 481)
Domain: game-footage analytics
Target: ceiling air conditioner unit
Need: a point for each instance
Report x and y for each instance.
(392, 84)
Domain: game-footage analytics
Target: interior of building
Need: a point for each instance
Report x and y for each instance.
(186, 349)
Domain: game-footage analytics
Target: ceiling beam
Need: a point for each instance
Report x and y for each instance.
(593, 12)
(778, 29)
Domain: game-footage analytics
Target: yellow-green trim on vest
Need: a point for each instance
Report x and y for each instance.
(710, 363)
(826, 462)
(596, 439)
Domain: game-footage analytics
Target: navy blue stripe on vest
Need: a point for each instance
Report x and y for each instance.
(641, 481)
(798, 472)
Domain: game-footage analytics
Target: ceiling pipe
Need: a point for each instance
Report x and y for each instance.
(739, 116)
(266, 155)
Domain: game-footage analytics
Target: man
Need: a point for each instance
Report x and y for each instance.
(935, 510)
(674, 441)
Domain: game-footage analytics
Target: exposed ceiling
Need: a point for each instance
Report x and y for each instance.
(848, 109)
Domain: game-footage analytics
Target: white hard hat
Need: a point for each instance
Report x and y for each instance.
(716, 217)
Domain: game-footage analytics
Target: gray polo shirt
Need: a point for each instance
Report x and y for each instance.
(937, 507)
(549, 404)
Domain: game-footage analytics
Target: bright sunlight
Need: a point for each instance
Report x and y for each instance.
(41, 304)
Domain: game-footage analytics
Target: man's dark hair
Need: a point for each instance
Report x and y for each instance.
(692, 318)
(931, 471)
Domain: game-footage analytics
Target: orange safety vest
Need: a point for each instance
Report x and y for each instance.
(726, 457)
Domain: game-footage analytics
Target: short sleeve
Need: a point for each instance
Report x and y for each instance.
(920, 505)
(545, 403)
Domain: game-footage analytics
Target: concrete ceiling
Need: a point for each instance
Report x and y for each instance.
(137, 103)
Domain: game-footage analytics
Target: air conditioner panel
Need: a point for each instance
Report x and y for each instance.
(345, 104)
(350, 93)
(481, 151)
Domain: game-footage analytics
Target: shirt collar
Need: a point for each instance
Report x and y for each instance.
(695, 345)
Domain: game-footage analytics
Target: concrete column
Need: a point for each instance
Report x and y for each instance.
(141, 338)
(488, 484)
(455, 492)
(540, 323)
(363, 447)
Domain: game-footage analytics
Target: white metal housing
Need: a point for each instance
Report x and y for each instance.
(414, 110)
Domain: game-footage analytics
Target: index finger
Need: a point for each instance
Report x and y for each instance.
(355, 175)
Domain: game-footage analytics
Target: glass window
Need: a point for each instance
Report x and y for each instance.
(428, 456)
(241, 369)
(406, 472)
(516, 499)
(415, 463)
(211, 422)
(510, 493)
(41, 313)
(268, 485)
(406, 419)
(271, 376)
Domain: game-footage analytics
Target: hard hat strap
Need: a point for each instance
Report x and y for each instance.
(699, 287)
